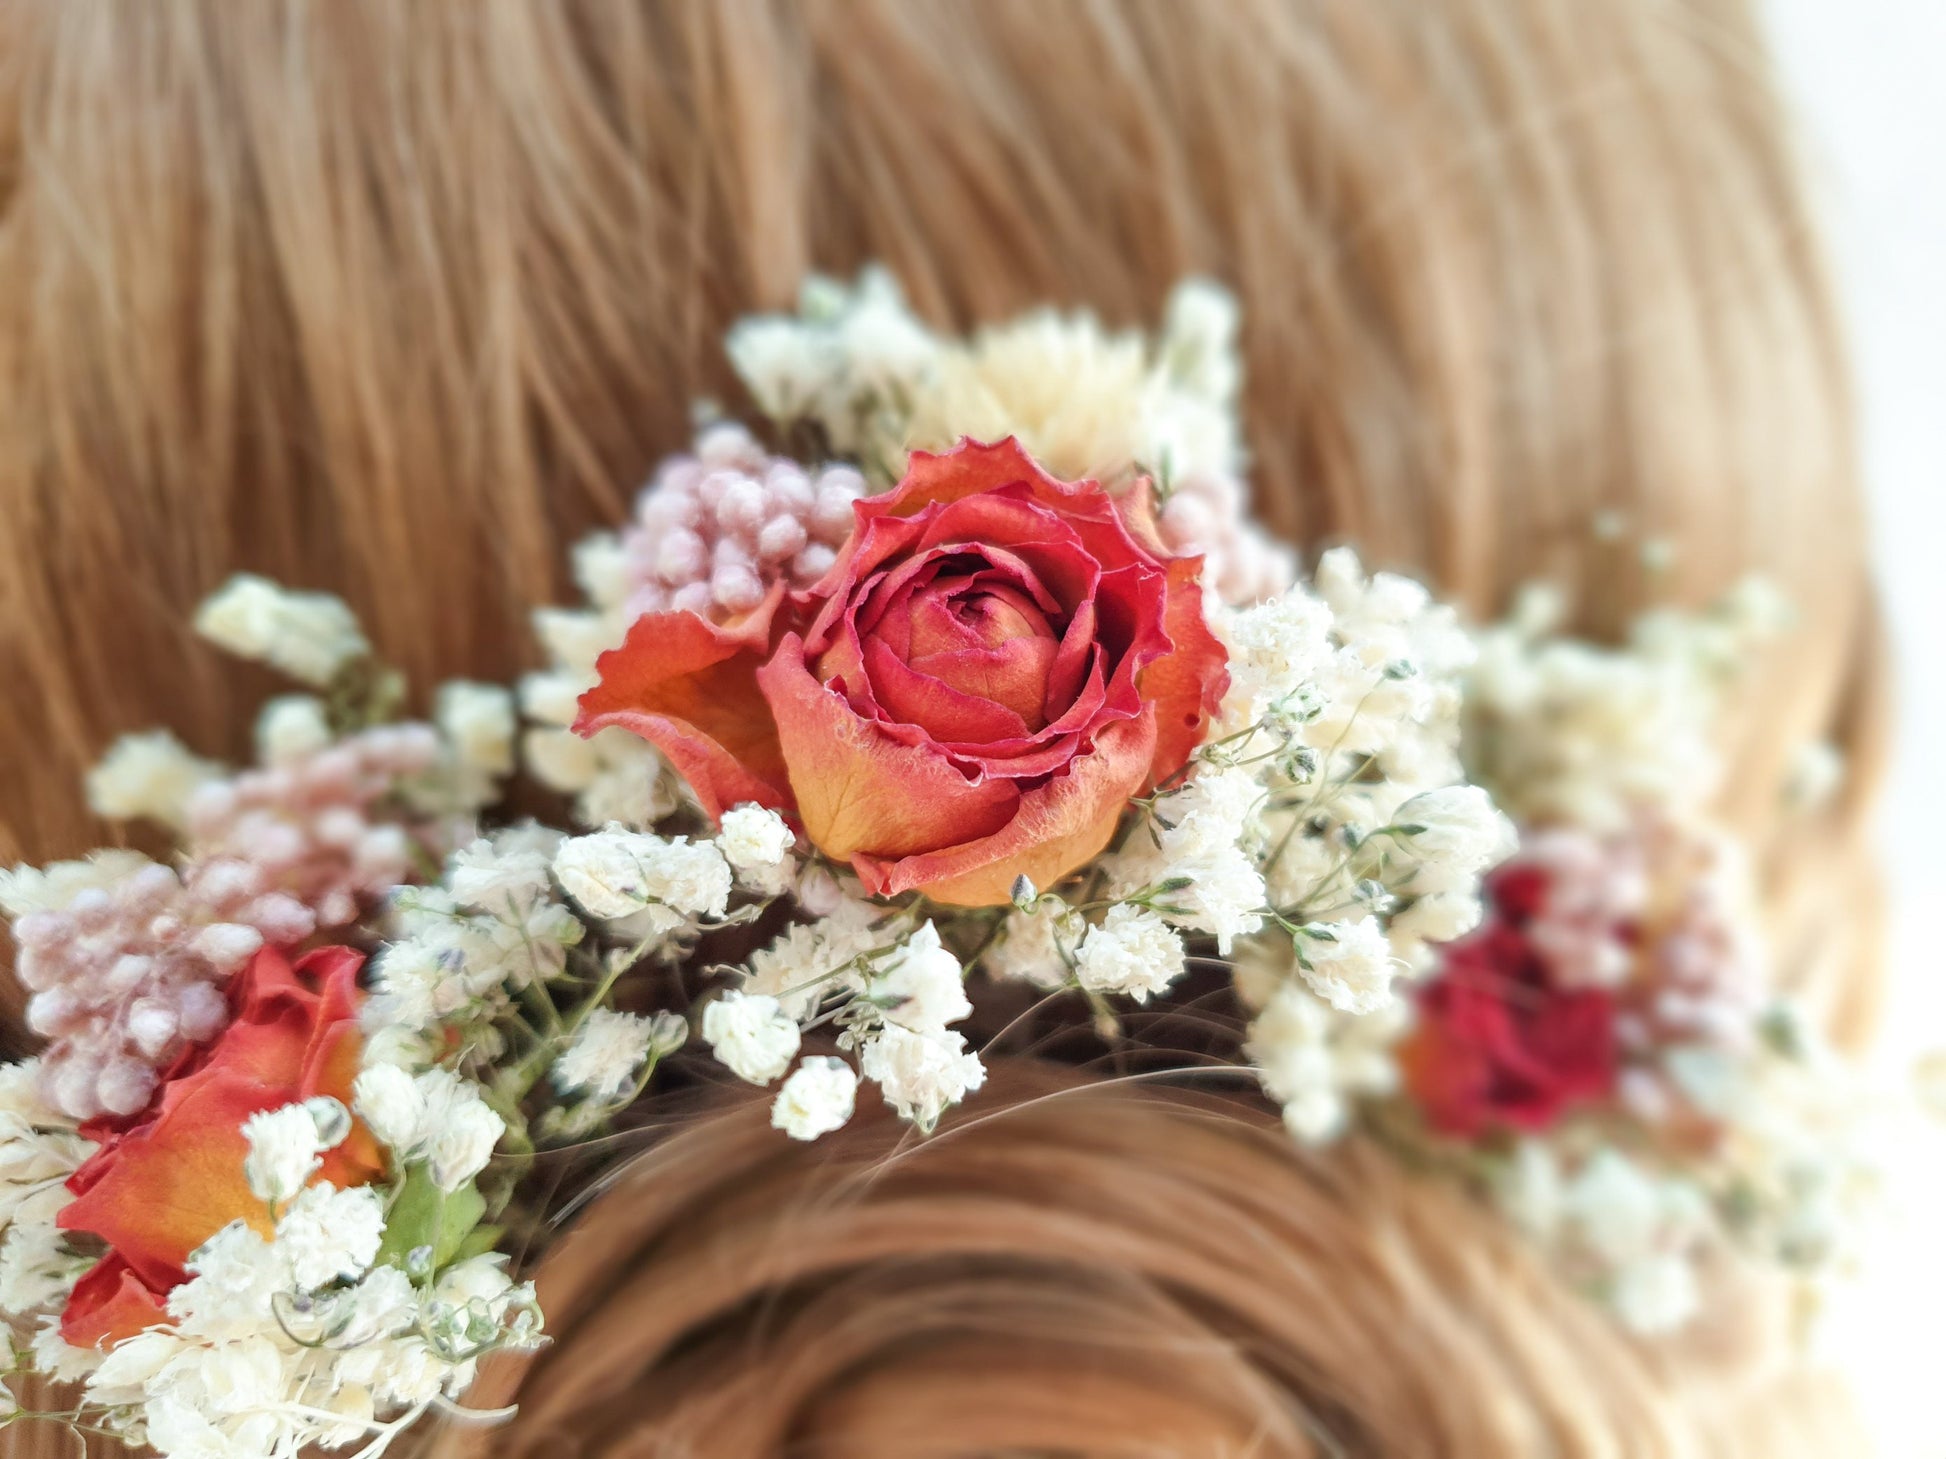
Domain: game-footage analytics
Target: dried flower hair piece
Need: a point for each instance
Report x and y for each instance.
(992, 680)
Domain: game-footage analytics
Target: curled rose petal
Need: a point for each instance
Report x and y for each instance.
(109, 1304)
(689, 687)
(1059, 825)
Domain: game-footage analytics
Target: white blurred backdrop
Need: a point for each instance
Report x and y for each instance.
(1868, 78)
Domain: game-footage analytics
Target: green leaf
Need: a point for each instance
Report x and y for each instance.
(479, 1241)
(423, 1215)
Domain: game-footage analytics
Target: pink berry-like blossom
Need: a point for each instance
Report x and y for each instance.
(714, 530)
(126, 976)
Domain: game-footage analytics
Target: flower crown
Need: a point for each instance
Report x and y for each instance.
(847, 745)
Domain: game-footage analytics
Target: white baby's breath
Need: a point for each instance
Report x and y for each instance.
(458, 1147)
(619, 873)
(921, 1075)
(283, 1151)
(1132, 952)
(291, 727)
(389, 1102)
(478, 721)
(751, 1035)
(921, 984)
(816, 1099)
(147, 776)
(330, 1233)
(607, 1049)
(757, 844)
(1349, 964)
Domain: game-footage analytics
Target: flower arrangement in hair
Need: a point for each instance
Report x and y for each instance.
(998, 682)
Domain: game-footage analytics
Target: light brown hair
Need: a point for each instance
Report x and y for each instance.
(397, 300)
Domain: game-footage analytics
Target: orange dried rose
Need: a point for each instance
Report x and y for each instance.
(163, 1183)
(995, 664)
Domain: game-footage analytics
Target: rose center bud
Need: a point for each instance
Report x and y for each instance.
(974, 650)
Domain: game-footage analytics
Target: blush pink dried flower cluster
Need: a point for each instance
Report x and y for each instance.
(715, 529)
(126, 976)
(1208, 513)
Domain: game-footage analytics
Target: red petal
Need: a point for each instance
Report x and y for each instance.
(689, 688)
(109, 1304)
(924, 697)
(1188, 684)
(175, 1183)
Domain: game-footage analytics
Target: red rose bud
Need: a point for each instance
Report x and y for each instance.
(1498, 1044)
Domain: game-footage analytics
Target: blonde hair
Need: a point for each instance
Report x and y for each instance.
(398, 300)
(1074, 1267)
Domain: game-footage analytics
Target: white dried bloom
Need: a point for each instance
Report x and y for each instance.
(1199, 853)
(921, 985)
(1216, 810)
(1617, 1208)
(478, 721)
(1455, 834)
(1315, 1061)
(757, 844)
(797, 968)
(1199, 333)
(58, 1359)
(459, 1144)
(1222, 893)
(1655, 1295)
(1529, 1190)
(36, 1267)
(1349, 964)
(1132, 952)
(601, 569)
(147, 777)
(498, 876)
(1276, 649)
(235, 1277)
(292, 727)
(618, 873)
(751, 1035)
(816, 1099)
(1442, 917)
(310, 636)
(920, 1075)
(1575, 733)
(560, 759)
(606, 1051)
(574, 640)
(284, 1151)
(389, 1102)
(785, 364)
(1037, 946)
(129, 1364)
(330, 1233)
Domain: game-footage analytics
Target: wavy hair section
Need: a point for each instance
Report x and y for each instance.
(1092, 1268)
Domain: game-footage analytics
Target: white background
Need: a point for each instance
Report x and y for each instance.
(1868, 79)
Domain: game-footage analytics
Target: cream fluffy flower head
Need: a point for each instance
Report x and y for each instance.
(310, 636)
